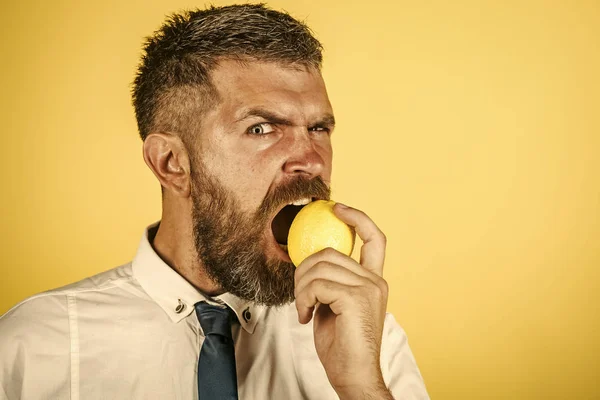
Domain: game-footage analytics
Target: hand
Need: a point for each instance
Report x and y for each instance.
(350, 300)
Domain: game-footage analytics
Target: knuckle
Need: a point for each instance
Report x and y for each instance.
(362, 213)
(329, 252)
(317, 284)
(383, 237)
(375, 290)
(379, 287)
(319, 268)
(383, 287)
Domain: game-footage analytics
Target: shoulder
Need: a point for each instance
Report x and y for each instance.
(104, 280)
(46, 314)
(35, 335)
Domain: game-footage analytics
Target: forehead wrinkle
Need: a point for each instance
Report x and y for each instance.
(290, 118)
(258, 86)
(289, 106)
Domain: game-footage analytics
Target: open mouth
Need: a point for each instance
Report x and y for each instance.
(281, 223)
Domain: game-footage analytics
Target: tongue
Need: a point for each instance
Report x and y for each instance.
(282, 222)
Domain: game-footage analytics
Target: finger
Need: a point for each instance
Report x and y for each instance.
(372, 253)
(332, 256)
(321, 291)
(331, 272)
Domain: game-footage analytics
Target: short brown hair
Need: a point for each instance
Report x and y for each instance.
(173, 86)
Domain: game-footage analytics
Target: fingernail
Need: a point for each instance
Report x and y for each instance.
(340, 205)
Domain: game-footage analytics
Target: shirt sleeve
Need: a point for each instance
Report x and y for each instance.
(398, 364)
(34, 350)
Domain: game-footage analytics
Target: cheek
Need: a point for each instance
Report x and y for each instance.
(249, 178)
(326, 153)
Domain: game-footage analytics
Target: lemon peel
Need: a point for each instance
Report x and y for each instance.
(315, 228)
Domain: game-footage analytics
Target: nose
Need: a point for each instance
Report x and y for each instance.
(304, 157)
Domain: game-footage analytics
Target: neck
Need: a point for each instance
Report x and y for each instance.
(174, 243)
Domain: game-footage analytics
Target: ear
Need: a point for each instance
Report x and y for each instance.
(167, 157)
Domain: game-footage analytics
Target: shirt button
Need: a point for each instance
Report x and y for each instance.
(180, 307)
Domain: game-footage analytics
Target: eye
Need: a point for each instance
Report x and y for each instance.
(261, 129)
(319, 129)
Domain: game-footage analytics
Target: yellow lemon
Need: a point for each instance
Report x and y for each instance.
(315, 228)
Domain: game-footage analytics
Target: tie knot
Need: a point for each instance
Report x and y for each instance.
(214, 320)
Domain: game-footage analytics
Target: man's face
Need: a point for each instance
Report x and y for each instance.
(266, 144)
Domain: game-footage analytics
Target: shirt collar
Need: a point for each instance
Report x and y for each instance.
(175, 295)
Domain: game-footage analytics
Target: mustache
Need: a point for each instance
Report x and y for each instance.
(295, 189)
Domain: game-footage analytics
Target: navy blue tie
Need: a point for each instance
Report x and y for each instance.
(217, 378)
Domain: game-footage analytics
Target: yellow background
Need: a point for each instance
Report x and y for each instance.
(469, 131)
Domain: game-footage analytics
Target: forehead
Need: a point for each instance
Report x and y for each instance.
(295, 91)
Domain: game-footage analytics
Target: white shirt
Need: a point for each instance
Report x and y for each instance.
(132, 333)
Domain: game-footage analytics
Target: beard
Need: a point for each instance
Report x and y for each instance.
(231, 244)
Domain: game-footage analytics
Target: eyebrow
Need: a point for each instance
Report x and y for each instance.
(325, 120)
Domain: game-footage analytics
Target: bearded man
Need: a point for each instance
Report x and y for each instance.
(236, 126)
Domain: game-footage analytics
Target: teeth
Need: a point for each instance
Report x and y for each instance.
(301, 202)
